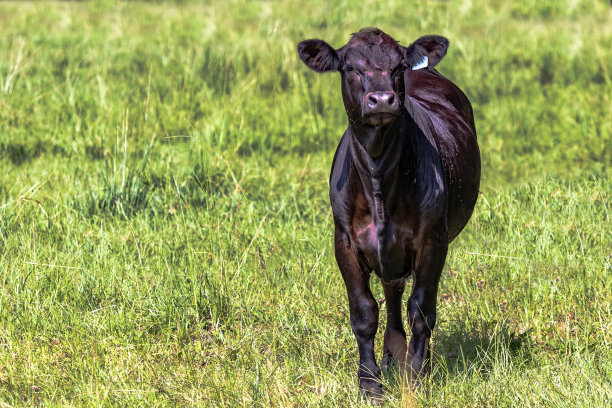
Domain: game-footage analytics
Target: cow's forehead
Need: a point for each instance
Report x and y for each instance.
(375, 49)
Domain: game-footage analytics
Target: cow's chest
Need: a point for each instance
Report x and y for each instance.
(385, 245)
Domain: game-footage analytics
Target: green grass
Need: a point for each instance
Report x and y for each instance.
(165, 231)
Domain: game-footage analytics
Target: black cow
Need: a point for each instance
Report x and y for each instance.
(403, 184)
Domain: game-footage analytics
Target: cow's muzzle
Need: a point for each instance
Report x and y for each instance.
(380, 108)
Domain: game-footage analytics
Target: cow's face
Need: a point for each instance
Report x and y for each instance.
(372, 67)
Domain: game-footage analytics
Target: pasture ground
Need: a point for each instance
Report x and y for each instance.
(165, 232)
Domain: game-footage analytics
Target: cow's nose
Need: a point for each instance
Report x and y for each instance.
(381, 102)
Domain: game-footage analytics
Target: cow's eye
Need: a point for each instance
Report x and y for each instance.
(348, 68)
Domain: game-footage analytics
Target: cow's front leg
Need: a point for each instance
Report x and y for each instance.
(364, 315)
(422, 306)
(395, 346)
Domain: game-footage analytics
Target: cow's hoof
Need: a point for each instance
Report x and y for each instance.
(386, 363)
(395, 371)
(371, 391)
(390, 368)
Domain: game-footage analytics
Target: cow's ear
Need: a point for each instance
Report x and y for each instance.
(426, 52)
(319, 55)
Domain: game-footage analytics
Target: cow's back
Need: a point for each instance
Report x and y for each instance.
(443, 111)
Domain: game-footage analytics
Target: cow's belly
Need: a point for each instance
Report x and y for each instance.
(386, 250)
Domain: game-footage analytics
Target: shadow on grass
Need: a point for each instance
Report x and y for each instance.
(20, 153)
(460, 352)
(458, 349)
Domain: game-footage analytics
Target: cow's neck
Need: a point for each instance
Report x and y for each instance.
(379, 175)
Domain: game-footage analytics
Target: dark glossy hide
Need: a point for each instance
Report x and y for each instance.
(402, 186)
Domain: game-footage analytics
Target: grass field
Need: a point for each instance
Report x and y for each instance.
(165, 231)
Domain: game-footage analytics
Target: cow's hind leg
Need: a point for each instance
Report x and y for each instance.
(395, 346)
(364, 316)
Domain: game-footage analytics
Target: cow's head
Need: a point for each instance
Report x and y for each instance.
(372, 66)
